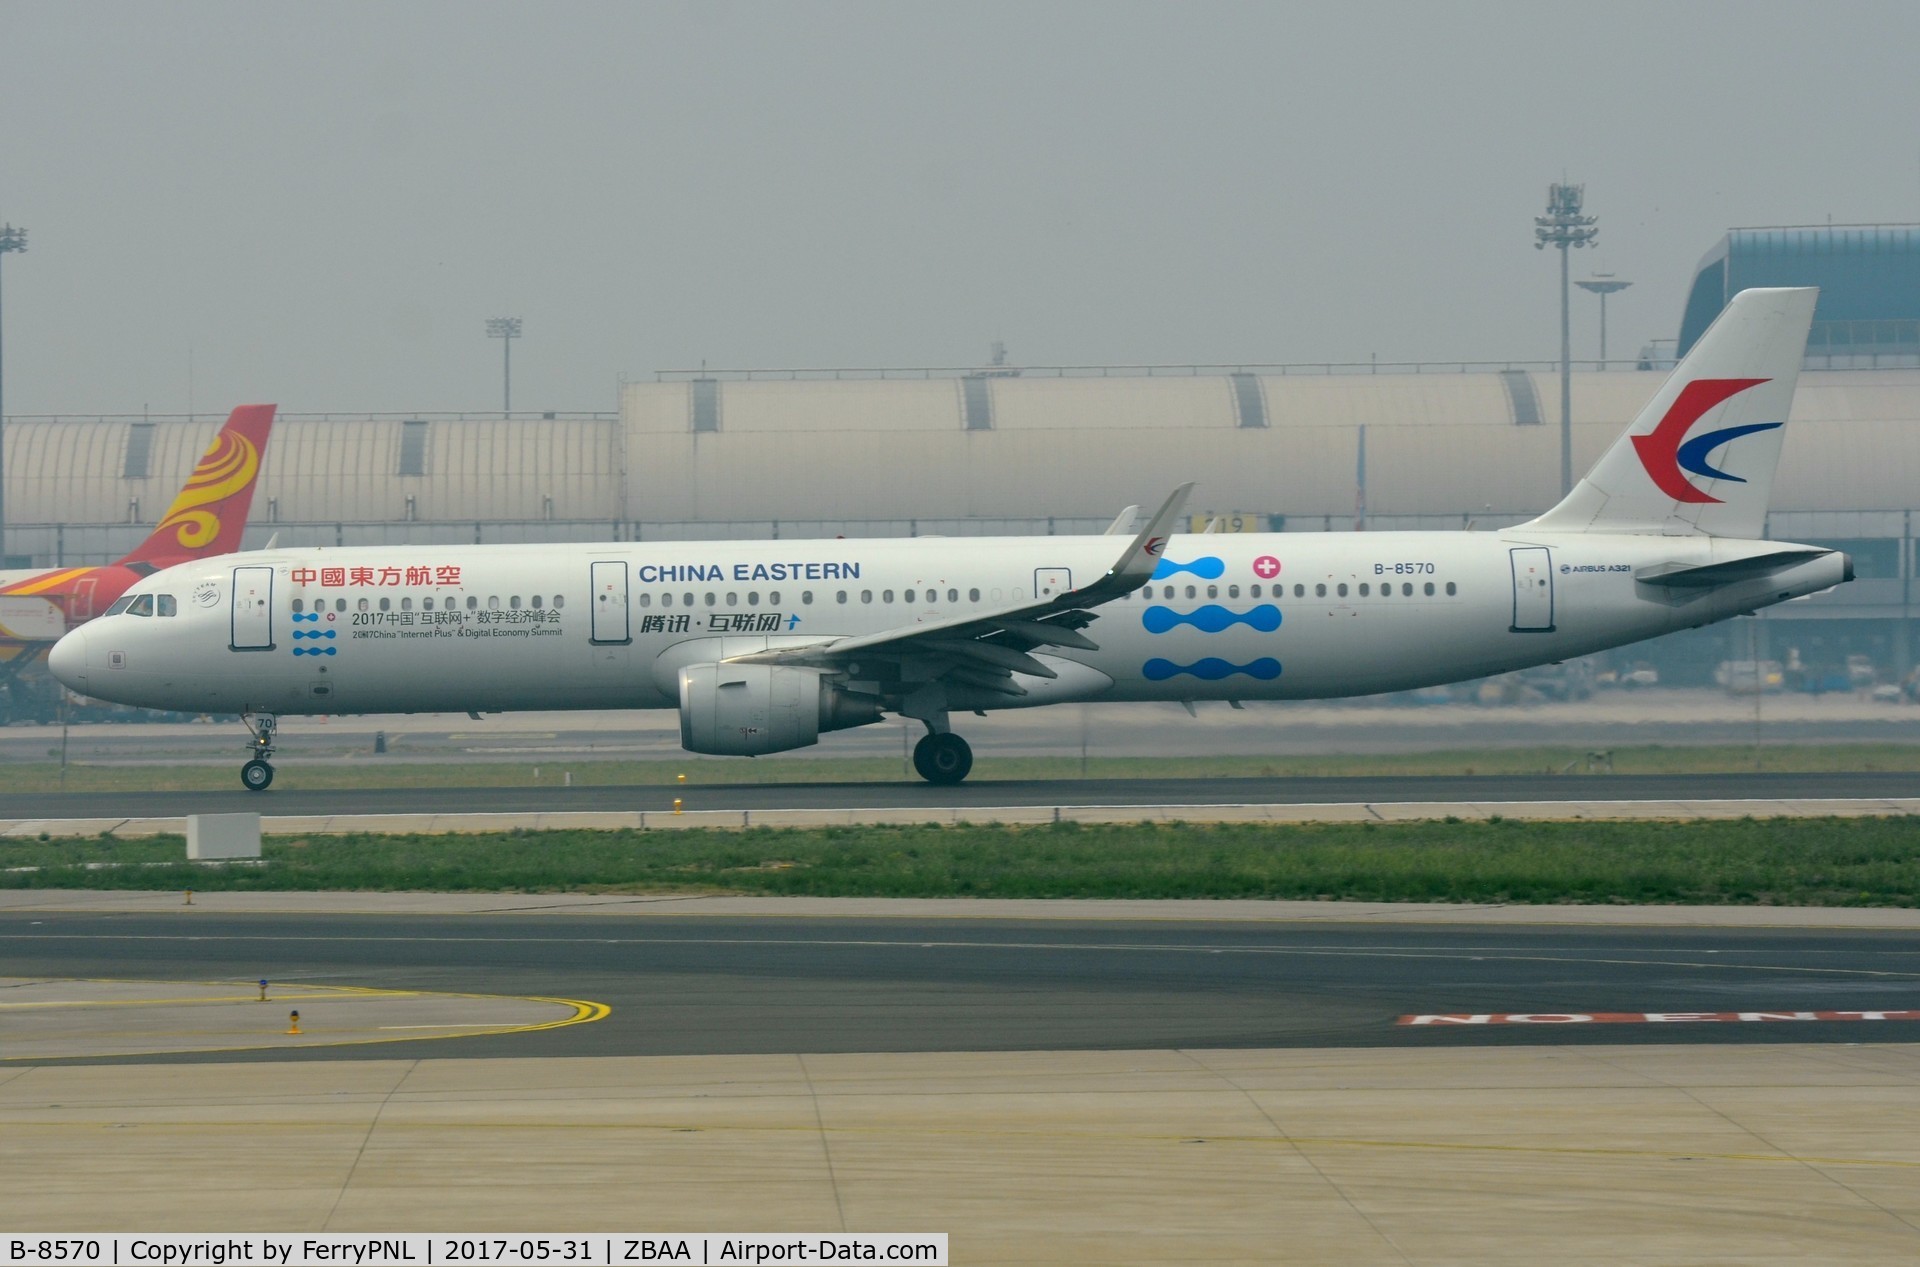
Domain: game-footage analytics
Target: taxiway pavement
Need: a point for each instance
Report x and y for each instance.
(289, 798)
(683, 984)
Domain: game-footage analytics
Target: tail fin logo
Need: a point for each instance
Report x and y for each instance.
(227, 468)
(1668, 455)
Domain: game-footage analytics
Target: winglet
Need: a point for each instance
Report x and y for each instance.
(1136, 566)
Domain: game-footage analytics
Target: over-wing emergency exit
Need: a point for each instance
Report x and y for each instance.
(763, 646)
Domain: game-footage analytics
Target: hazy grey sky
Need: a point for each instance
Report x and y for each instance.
(320, 204)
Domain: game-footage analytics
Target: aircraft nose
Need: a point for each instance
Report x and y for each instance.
(68, 660)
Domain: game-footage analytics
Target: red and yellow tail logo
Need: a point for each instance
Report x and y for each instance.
(211, 511)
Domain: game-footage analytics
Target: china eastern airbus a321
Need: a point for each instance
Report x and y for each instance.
(761, 646)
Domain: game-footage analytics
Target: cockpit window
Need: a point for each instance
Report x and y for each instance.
(142, 606)
(167, 605)
(119, 605)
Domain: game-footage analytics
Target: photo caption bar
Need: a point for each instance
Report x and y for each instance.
(277, 1249)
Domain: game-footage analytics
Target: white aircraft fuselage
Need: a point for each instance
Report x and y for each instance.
(1264, 616)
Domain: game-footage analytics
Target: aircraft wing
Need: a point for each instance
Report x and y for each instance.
(984, 649)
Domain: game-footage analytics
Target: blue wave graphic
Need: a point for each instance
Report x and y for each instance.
(1693, 455)
(315, 650)
(1207, 568)
(1212, 619)
(300, 616)
(1211, 669)
(313, 633)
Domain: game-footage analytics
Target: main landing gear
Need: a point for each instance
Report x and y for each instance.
(943, 758)
(257, 774)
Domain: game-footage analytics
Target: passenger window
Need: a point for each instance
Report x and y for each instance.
(866, 596)
(840, 596)
(709, 597)
(886, 596)
(1192, 592)
(559, 600)
(774, 598)
(1363, 589)
(473, 603)
(1233, 591)
(1406, 589)
(806, 597)
(386, 604)
(1320, 590)
(142, 606)
(1341, 589)
(753, 598)
(1299, 591)
(1213, 591)
(406, 604)
(666, 600)
(299, 606)
(493, 602)
(909, 596)
(363, 604)
(426, 604)
(973, 596)
(1254, 590)
(733, 600)
(537, 604)
(514, 603)
(1429, 589)
(340, 604)
(1450, 590)
(686, 600)
(953, 596)
(168, 606)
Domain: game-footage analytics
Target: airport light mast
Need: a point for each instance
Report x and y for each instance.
(1564, 228)
(505, 329)
(12, 241)
(1603, 284)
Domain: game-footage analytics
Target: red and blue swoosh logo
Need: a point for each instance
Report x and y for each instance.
(1667, 453)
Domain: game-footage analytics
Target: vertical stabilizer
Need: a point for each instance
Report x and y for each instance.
(1700, 457)
(210, 513)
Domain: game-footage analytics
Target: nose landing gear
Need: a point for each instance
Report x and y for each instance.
(257, 774)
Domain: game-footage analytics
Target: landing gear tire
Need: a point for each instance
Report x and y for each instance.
(943, 759)
(256, 776)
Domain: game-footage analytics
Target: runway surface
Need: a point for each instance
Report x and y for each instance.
(686, 985)
(289, 798)
(1314, 728)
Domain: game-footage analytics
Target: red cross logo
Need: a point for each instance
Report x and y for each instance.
(1266, 567)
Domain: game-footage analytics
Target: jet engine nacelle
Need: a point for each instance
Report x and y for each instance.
(748, 710)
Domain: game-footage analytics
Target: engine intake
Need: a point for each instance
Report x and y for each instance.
(748, 710)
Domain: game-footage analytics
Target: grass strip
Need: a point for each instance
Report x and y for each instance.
(1800, 862)
(459, 770)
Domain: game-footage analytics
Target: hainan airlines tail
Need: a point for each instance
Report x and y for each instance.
(1699, 460)
(211, 511)
(207, 518)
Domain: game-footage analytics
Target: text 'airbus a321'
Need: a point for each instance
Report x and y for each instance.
(761, 646)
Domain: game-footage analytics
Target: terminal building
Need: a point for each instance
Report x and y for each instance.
(999, 449)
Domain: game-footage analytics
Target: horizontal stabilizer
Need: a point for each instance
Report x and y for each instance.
(1709, 575)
